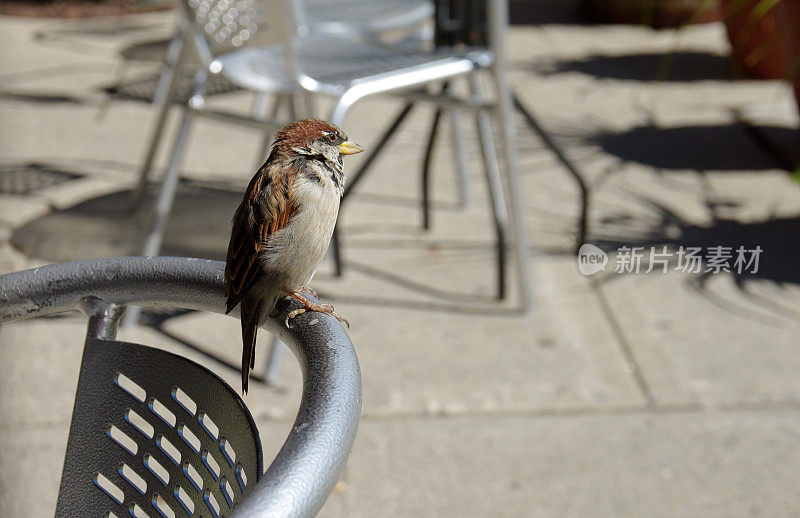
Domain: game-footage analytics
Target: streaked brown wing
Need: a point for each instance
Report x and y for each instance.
(265, 210)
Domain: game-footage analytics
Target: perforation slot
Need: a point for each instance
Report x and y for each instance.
(184, 500)
(211, 463)
(227, 451)
(121, 438)
(162, 507)
(132, 477)
(189, 438)
(211, 503)
(156, 469)
(138, 512)
(208, 425)
(241, 477)
(184, 400)
(227, 491)
(129, 386)
(169, 449)
(139, 423)
(109, 488)
(158, 408)
(193, 475)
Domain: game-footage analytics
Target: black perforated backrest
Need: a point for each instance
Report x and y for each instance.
(155, 434)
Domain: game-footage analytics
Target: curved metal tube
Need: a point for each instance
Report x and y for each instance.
(303, 474)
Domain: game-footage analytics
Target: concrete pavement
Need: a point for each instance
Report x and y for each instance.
(672, 394)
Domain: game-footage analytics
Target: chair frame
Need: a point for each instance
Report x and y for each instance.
(175, 61)
(303, 474)
(503, 185)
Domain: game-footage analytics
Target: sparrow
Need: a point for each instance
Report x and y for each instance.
(282, 227)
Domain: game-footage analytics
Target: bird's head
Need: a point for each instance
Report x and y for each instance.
(315, 138)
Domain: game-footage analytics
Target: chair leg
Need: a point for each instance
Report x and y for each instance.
(334, 251)
(172, 63)
(162, 100)
(169, 186)
(274, 361)
(359, 174)
(341, 108)
(426, 169)
(460, 159)
(497, 28)
(167, 195)
(494, 183)
(460, 154)
(163, 208)
(259, 104)
(378, 147)
(505, 116)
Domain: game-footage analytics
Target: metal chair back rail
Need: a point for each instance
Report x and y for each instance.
(199, 460)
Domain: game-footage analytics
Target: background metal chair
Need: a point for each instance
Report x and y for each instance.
(362, 19)
(349, 70)
(153, 432)
(476, 26)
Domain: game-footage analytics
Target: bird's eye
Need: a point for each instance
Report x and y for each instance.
(331, 137)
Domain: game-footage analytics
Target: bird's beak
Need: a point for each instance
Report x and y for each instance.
(350, 148)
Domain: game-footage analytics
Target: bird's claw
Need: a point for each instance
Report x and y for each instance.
(328, 308)
(309, 291)
(313, 306)
(340, 319)
(293, 314)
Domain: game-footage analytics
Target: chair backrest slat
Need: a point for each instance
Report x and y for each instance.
(154, 433)
(224, 23)
(219, 26)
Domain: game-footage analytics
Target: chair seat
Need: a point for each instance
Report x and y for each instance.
(332, 65)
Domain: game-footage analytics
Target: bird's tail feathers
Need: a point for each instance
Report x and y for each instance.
(250, 313)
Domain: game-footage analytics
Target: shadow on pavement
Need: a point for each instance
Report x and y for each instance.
(647, 67)
(104, 227)
(777, 263)
(703, 148)
(775, 236)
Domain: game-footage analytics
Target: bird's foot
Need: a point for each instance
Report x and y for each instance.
(309, 291)
(309, 305)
